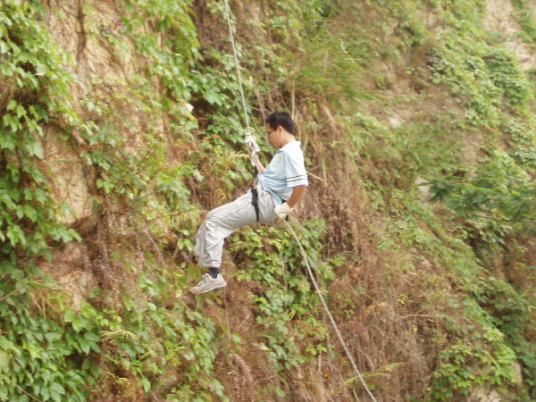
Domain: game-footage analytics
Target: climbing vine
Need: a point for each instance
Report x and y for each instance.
(36, 94)
(163, 143)
(38, 355)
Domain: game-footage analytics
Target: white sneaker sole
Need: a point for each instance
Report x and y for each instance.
(206, 291)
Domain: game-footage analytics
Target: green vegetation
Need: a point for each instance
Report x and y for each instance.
(419, 131)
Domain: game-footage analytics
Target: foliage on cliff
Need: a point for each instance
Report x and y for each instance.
(419, 132)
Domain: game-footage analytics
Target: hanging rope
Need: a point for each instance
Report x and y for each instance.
(304, 255)
(237, 64)
(328, 312)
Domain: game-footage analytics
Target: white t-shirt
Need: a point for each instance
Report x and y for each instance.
(285, 171)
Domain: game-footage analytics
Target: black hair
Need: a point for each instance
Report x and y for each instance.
(283, 119)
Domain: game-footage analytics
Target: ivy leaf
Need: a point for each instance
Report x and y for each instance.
(57, 389)
(41, 69)
(16, 235)
(4, 361)
(213, 98)
(84, 345)
(86, 365)
(79, 323)
(12, 122)
(30, 212)
(91, 337)
(35, 148)
(7, 142)
(12, 104)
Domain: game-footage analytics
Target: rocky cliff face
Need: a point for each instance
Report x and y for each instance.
(82, 30)
(157, 144)
(499, 17)
(82, 37)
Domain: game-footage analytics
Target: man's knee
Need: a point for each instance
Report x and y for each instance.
(210, 224)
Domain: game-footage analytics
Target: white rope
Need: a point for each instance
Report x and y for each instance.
(309, 271)
(237, 65)
(328, 312)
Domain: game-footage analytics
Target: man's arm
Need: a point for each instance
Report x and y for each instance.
(297, 194)
(258, 164)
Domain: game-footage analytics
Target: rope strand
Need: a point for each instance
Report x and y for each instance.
(328, 312)
(237, 65)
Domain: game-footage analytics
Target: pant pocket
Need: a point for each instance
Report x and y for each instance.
(266, 207)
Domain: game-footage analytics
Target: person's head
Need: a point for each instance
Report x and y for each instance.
(282, 119)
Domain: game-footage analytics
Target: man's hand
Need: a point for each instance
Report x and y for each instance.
(251, 142)
(283, 210)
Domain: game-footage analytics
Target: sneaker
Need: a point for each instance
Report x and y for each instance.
(208, 284)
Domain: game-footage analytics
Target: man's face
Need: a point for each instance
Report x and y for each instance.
(274, 136)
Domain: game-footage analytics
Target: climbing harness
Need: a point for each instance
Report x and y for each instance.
(253, 148)
(255, 201)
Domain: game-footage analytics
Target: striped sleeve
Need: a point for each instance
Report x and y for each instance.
(296, 178)
(295, 173)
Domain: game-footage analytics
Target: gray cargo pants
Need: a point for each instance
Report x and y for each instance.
(224, 220)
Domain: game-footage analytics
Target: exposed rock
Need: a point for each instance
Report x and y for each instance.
(68, 267)
(395, 121)
(70, 185)
(484, 395)
(424, 187)
(500, 17)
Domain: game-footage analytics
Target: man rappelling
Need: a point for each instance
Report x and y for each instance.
(280, 186)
